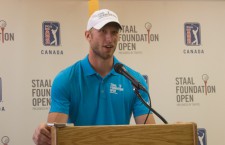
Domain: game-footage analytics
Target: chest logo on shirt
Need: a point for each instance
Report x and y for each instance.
(114, 88)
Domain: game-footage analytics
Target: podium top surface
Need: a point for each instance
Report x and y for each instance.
(157, 134)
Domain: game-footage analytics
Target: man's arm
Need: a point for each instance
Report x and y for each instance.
(141, 119)
(57, 118)
(42, 134)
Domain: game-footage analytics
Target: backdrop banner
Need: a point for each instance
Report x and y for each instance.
(177, 45)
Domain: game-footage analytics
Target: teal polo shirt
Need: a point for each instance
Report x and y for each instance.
(88, 99)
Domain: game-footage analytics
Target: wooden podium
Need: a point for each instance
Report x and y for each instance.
(168, 134)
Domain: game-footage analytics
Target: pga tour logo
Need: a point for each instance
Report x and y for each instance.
(146, 79)
(51, 33)
(202, 136)
(2, 108)
(192, 34)
(0, 89)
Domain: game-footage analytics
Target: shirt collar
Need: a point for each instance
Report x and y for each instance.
(88, 70)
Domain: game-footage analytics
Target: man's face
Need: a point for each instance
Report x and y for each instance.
(103, 42)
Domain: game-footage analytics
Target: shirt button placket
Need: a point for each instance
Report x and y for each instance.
(102, 91)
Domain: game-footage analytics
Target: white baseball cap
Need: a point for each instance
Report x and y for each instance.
(102, 17)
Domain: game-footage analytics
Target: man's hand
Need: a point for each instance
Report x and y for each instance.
(42, 135)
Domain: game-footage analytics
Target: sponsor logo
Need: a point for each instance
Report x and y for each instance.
(51, 33)
(202, 140)
(4, 35)
(146, 79)
(41, 92)
(2, 108)
(131, 36)
(192, 34)
(51, 38)
(0, 89)
(189, 91)
(114, 88)
(5, 140)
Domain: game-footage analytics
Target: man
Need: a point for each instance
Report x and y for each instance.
(90, 92)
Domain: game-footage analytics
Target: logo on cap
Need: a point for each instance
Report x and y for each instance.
(100, 18)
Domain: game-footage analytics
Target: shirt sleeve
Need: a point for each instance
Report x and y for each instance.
(60, 97)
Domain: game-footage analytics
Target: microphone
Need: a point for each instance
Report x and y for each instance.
(119, 68)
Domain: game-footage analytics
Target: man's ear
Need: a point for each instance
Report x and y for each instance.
(87, 35)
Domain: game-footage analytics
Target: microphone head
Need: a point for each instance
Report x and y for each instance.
(118, 67)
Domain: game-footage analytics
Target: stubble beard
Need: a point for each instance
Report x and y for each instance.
(103, 55)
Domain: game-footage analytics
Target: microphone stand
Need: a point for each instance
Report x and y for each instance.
(147, 105)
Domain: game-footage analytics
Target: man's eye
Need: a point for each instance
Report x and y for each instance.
(115, 32)
(102, 30)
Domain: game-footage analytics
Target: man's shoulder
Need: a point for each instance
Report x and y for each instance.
(71, 67)
(69, 72)
(131, 70)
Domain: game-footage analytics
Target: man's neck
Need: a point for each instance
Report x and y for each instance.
(102, 66)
